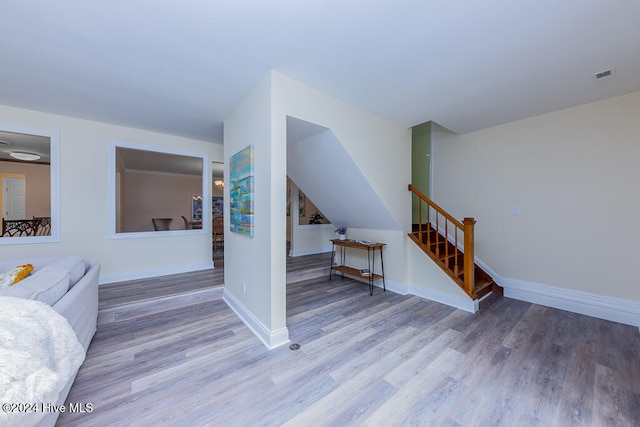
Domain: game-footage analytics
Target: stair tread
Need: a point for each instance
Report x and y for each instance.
(481, 284)
(484, 283)
(448, 256)
(483, 288)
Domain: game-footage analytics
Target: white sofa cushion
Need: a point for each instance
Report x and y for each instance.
(47, 285)
(75, 265)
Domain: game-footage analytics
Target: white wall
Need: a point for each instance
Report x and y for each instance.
(308, 238)
(255, 275)
(158, 195)
(84, 149)
(380, 149)
(428, 280)
(255, 269)
(311, 239)
(573, 174)
(323, 169)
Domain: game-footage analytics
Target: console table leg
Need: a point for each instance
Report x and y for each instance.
(371, 256)
(384, 285)
(333, 256)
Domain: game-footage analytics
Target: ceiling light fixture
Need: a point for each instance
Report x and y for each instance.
(24, 156)
(219, 183)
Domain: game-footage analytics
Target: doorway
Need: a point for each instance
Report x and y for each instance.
(13, 200)
(420, 164)
(217, 213)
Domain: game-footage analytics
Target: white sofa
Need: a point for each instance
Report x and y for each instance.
(69, 284)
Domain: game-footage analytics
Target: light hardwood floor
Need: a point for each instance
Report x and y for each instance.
(383, 360)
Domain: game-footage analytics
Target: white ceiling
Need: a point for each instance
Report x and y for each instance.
(182, 67)
(19, 142)
(153, 161)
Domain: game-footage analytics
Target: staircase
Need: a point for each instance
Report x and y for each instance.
(453, 253)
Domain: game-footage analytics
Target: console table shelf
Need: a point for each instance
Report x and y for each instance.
(370, 247)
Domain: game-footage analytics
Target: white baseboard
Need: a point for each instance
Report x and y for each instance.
(271, 339)
(599, 306)
(463, 303)
(154, 272)
(395, 287)
(486, 268)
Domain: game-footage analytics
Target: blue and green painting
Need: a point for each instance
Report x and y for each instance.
(241, 191)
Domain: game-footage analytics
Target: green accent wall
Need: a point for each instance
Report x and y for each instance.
(420, 164)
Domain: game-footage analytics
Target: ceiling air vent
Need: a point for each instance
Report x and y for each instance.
(605, 75)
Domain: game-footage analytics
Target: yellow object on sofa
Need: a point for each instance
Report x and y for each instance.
(11, 277)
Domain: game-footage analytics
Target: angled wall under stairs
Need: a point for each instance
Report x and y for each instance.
(321, 167)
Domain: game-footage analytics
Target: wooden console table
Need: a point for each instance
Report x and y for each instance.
(370, 247)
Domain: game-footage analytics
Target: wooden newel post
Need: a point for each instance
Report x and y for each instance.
(469, 274)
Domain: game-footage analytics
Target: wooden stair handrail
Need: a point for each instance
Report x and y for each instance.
(466, 227)
(435, 206)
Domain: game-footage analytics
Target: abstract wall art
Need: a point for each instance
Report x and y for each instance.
(241, 191)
